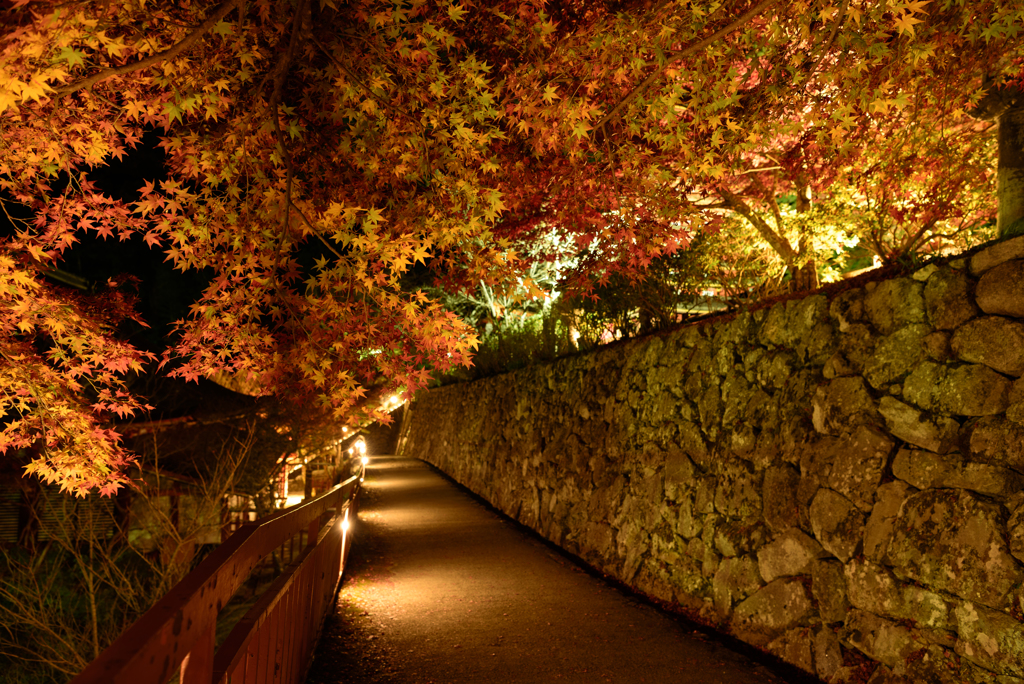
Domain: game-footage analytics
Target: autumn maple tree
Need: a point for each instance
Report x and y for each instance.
(318, 151)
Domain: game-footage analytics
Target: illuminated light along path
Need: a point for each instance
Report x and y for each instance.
(442, 589)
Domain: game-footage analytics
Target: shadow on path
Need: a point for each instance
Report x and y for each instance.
(441, 589)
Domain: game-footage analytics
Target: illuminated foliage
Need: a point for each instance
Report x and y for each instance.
(319, 151)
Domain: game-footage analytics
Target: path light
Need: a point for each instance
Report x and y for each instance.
(360, 446)
(345, 525)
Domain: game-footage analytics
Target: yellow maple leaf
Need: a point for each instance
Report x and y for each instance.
(905, 23)
(113, 46)
(916, 6)
(420, 254)
(7, 99)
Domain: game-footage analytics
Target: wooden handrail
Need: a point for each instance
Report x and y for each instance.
(177, 633)
(232, 653)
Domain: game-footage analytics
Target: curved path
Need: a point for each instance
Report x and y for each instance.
(442, 589)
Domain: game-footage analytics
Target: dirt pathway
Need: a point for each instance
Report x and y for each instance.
(441, 589)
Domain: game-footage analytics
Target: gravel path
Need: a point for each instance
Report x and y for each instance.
(442, 589)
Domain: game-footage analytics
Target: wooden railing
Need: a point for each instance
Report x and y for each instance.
(274, 641)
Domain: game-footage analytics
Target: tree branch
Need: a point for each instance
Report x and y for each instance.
(759, 169)
(316, 232)
(827, 45)
(676, 56)
(769, 198)
(348, 72)
(280, 76)
(398, 111)
(911, 241)
(170, 53)
(778, 242)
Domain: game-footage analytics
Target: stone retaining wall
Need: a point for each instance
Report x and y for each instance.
(836, 481)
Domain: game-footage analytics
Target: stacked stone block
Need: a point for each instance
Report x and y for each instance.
(837, 481)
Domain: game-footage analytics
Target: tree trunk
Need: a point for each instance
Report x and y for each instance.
(91, 589)
(805, 276)
(1011, 172)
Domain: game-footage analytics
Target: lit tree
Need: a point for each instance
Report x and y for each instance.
(317, 151)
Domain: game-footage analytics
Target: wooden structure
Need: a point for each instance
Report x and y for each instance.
(274, 641)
